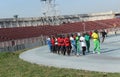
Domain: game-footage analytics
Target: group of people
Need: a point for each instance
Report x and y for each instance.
(74, 43)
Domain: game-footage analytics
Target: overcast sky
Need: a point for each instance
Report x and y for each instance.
(32, 8)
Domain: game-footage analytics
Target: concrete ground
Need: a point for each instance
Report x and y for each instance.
(107, 61)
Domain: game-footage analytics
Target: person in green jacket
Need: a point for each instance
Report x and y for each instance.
(87, 39)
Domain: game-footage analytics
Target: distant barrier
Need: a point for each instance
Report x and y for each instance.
(16, 45)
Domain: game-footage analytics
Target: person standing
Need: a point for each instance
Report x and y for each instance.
(90, 33)
(72, 40)
(87, 40)
(53, 44)
(96, 41)
(59, 40)
(49, 43)
(56, 44)
(83, 44)
(67, 45)
(103, 33)
(77, 44)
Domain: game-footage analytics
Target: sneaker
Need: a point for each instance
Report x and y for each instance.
(93, 52)
(77, 55)
(88, 51)
(98, 52)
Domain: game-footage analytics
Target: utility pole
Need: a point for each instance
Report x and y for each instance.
(16, 20)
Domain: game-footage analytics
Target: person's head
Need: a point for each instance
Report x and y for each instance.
(95, 31)
(63, 36)
(78, 34)
(53, 37)
(103, 30)
(60, 36)
(67, 36)
(86, 33)
(71, 35)
(83, 34)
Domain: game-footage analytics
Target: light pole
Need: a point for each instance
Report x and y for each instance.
(84, 27)
(16, 19)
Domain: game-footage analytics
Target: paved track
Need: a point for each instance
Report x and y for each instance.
(107, 61)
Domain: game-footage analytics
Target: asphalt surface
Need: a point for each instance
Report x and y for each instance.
(107, 61)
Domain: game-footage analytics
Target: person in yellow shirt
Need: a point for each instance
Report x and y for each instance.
(96, 41)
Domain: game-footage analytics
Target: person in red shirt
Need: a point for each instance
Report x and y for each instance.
(56, 44)
(61, 44)
(67, 44)
(63, 50)
(90, 33)
(53, 44)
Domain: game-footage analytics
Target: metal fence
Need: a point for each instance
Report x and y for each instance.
(20, 44)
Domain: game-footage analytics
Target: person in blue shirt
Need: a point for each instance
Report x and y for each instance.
(49, 43)
(72, 40)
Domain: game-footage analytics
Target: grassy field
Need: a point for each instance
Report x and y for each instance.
(12, 66)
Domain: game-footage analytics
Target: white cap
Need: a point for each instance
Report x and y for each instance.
(48, 38)
(78, 34)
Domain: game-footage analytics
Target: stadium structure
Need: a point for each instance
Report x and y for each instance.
(56, 20)
(20, 33)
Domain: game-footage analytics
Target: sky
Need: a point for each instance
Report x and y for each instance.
(33, 8)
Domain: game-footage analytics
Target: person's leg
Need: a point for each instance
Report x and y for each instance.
(59, 49)
(95, 45)
(63, 50)
(68, 50)
(50, 48)
(88, 46)
(98, 47)
(73, 49)
(103, 39)
(83, 50)
(78, 49)
(56, 48)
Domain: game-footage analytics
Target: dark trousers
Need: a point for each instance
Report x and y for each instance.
(61, 49)
(83, 50)
(103, 38)
(88, 45)
(68, 50)
(53, 48)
